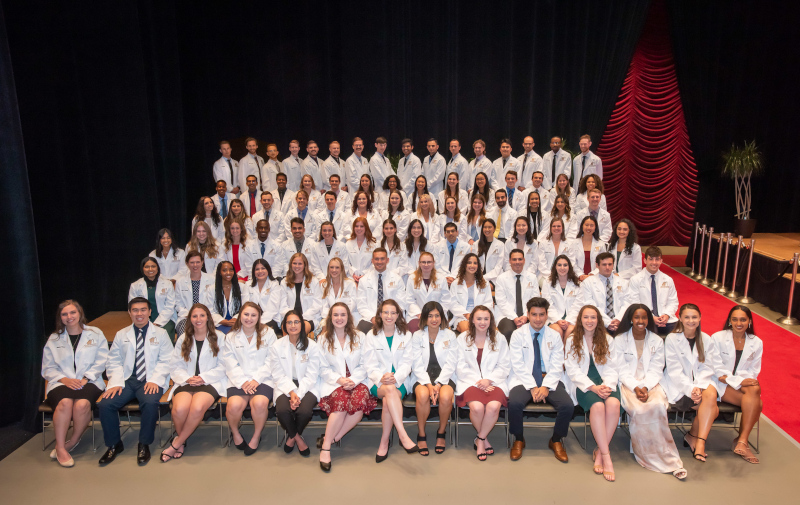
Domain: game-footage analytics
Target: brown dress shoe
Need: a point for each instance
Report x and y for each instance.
(516, 449)
(558, 450)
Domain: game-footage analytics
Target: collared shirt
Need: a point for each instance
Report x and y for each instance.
(302, 213)
(541, 339)
(254, 157)
(510, 192)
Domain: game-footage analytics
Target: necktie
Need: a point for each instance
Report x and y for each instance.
(537, 360)
(252, 204)
(499, 222)
(609, 299)
(519, 297)
(224, 207)
(452, 253)
(141, 367)
(653, 296)
(380, 290)
(263, 248)
(593, 213)
(510, 192)
(298, 246)
(331, 216)
(583, 166)
(231, 169)
(505, 160)
(553, 180)
(266, 215)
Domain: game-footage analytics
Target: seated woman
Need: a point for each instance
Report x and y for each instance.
(395, 248)
(238, 249)
(359, 248)
(207, 213)
(641, 351)
(249, 374)
(422, 287)
(555, 244)
(689, 376)
(562, 187)
(534, 214)
(237, 213)
(395, 211)
(426, 214)
(198, 373)
(190, 289)
(483, 364)
(265, 292)
(434, 371)
(226, 297)
(561, 210)
(451, 213)
(561, 289)
(592, 365)
(295, 363)
(416, 244)
(390, 184)
(203, 241)
(586, 247)
(73, 363)
(490, 251)
(483, 187)
(343, 387)
(327, 249)
(468, 291)
(159, 292)
(363, 208)
(453, 190)
(627, 253)
(420, 188)
(525, 241)
(590, 181)
(474, 220)
(365, 185)
(170, 257)
(388, 357)
(301, 293)
(338, 288)
(736, 376)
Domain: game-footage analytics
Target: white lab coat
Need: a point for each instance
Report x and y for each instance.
(684, 371)
(495, 364)
(269, 171)
(320, 257)
(570, 226)
(477, 166)
(652, 360)
(292, 167)
(355, 167)
(228, 306)
(442, 256)
(88, 360)
(577, 371)
(367, 297)
(582, 202)
(408, 171)
(579, 256)
(521, 202)
(462, 204)
(250, 165)
(379, 358)
(248, 252)
(374, 219)
(749, 365)
(500, 171)
(310, 299)
(334, 364)
(183, 293)
(563, 166)
(273, 254)
(310, 221)
(165, 298)
(531, 255)
(579, 170)
(245, 198)
(398, 260)
(459, 165)
(459, 298)
(222, 172)
(380, 167)
(461, 224)
(470, 227)
(330, 167)
(445, 349)
(418, 296)
(212, 369)
(603, 221)
(401, 220)
(347, 295)
(515, 201)
(173, 265)
(316, 200)
(593, 292)
(313, 167)
(530, 163)
(218, 202)
(508, 216)
(359, 258)
(548, 255)
(382, 200)
(431, 230)
(561, 303)
(339, 222)
(306, 364)
(287, 203)
(492, 260)
(433, 168)
(550, 199)
(629, 264)
(244, 362)
(505, 292)
(639, 291)
(290, 250)
(122, 356)
(217, 229)
(268, 298)
(522, 352)
(248, 226)
(276, 222)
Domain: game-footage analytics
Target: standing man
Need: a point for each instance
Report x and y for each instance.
(457, 164)
(408, 168)
(379, 166)
(513, 289)
(503, 164)
(480, 164)
(377, 285)
(356, 166)
(585, 163)
(334, 214)
(137, 368)
(529, 162)
(433, 167)
(226, 169)
(334, 165)
(270, 169)
(535, 187)
(605, 291)
(292, 166)
(295, 243)
(655, 289)
(252, 197)
(222, 199)
(311, 165)
(274, 217)
(503, 216)
(555, 162)
(251, 163)
(283, 196)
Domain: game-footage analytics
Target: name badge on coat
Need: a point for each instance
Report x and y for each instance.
(619, 289)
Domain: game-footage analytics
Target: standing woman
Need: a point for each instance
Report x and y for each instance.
(190, 289)
(226, 297)
(525, 241)
(327, 249)
(416, 244)
(388, 358)
(316, 200)
(359, 248)
(434, 371)
(490, 251)
(483, 364)
(736, 377)
(204, 242)
(586, 247)
(555, 244)
(453, 214)
(426, 214)
(641, 351)
(397, 213)
(158, 290)
(534, 213)
(590, 181)
(247, 367)
(198, 373)
(592, 364)
(395, 248)
(390, 184)
(207, 213)
(627, 253)
(453, 190)
(689, 376)
(469, 290)
(561, 210)
(483, 188)
(338, 288)
(295, 363)
(265, 292)
(365, 185)
(422, 287)
(170, 257)
(561, 290)
(238, 214)
(420, 188)
(363, 208)
(475, 219)
(73, 363)
(562, 187)
(301, 293)
(238, 249)
(343, 387)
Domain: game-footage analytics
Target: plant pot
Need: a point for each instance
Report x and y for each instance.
(745, 227)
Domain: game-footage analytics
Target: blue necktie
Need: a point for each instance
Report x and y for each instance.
(537, 360)
(331, 214)
(263, 247)
(653, 296)
(224, 207)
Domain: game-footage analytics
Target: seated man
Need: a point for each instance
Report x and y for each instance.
(377, 285)
(605, 291)
(655, 289)
(512, 291)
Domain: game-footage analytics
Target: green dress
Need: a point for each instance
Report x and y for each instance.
(374, 389)
(586, 400)
(170, 326)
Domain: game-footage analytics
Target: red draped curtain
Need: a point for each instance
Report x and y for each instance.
(649, 172)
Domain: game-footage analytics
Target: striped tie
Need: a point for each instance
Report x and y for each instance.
(141, 368)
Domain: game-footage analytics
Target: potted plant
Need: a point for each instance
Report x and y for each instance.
(740, 164)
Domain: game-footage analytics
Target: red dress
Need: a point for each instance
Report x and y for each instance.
(473, 394)
(357, 399)
(587, 262)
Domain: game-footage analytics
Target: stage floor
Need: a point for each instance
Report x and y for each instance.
(779, 246)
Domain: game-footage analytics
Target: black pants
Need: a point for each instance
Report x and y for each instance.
(364, 326)
(666, 330)
(506, 327)
(519, 397)
(294, 421)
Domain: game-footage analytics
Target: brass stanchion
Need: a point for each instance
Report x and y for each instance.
(705, 280)
(732, 293)
(746, 300)
(722, 289)
(699, 276)
(692, 273)
(789, 320)
(715, 284)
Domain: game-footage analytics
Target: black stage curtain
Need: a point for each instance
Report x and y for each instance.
(738, 66)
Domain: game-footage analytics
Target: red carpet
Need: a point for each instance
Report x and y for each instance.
(674, 260)
(780, 375)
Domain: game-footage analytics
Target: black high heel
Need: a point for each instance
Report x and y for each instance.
(695, 454)
(425, 449)
(326, 467)
(306, 452)
(485, 455)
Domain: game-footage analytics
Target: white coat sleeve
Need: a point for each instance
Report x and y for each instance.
(114, 365)
(500, 373)
(311, 376)
(161, 370)
(177, 365)
(574, 372)
(95, 372)
(372, 362)
(420, 368)
(655, 369)
(518, 361)
(282, 381)
(751, 372)
(403, 370)
(233, 369)
(165, 313)
(51, 372)
(674, 369)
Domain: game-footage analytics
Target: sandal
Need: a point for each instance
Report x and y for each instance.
(609, 476)
(423, 451)
(598, 469)
(475, 446)
(750, 459)
(485, 455)
(176, 455)
(442, 436)
(680, 473)
(696, 455)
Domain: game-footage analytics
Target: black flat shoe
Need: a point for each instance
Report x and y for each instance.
(288, 449)
(111, 454)
(326, 467)
(249, 451)
(305, 453)
(239, 446)
(412, 450)
(143, 454)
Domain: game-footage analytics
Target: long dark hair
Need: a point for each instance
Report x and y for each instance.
(597, 181)
(200, 212)
(462, 271)
(698, 335)
(570, 273)
(750, 328)
(596, 233)
(475, 191)
(386, 182)
(491, 331)
(563, 229)
(414, 193)
(528, 234)
(400, 208)
(427, 309)
(265, 264)
(630, 240)
(483, 244)
(188, 335)
(567, 208)
(219, 294)
(158, 269)
(302, 340)
(423, 242)
(395, 240)
(626, 323)
(355, 201)
(400, 323)
(174, 247)
(538, 217)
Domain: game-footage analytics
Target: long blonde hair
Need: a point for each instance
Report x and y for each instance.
(418, 271)
(431, 208)
(209, 248)
(328, 282)
(307, 275)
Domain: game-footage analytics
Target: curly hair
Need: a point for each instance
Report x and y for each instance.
(491, 331)
(462, 271)
(329, 335)
(601, 351)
